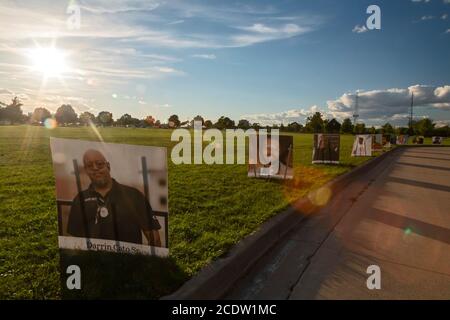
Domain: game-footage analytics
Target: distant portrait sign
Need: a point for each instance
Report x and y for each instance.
(326, 148)
(111, 197)
(402, 139)
(437, 140)
(386, 142)
(377, 142)
(362, 146)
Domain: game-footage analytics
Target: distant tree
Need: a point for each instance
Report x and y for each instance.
(12, 112)
(332, 126)
(401, 130)
(256, 126)
(208, 124)
(442, 131)
(157, 124)
(424, 127)
(243, 124)
(105, 118)
(199, 118)
(150, 121)
(387, 128)
(294, 127)
(315, 123)
(124, 120)
(360, 128)
(65, 114)
(39, 115)
(224, 123)
(138, 123)
(87, 118)
(347, 126)
(174, 121)
(373, 130)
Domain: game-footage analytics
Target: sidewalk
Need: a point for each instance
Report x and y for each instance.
(396, 216)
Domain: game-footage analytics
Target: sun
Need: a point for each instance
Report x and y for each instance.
(51, 62)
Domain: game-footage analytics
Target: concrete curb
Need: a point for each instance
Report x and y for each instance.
(218, 278)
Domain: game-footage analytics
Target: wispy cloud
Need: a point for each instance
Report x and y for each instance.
(205, 56)
(359, 29)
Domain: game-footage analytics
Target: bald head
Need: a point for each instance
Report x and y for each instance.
(97, 168)
(93, 155)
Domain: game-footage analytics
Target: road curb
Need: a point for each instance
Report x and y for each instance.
(218, 278)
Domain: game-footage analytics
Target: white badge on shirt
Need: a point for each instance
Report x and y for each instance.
(103, 212)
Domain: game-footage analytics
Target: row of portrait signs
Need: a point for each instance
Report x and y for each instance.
(114, 197)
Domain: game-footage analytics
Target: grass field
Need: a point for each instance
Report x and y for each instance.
(210, 209)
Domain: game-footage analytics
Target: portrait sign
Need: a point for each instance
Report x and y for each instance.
(419, 139)
(326, 148)
(362, 146)
(386, 141)
(111, 197)
(282, 151)
(377, 142)
(402, 139)
(437, 140)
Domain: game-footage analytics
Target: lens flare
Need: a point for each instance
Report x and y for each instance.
(50, 123)
(321, 196)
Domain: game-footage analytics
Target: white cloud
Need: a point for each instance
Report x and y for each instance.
(442, 123)
(375, 106)
(385, 104)
(118, 6)
(258, 33)
(444, 16)
(285, 117)
(205, 56)
(448, 31)
(424, 18)
(359, 29)
(175, 22)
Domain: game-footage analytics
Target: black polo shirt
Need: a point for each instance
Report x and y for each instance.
(121, 215)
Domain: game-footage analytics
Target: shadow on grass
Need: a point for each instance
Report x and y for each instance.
(120, 276)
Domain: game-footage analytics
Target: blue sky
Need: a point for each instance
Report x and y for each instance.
(266, 61)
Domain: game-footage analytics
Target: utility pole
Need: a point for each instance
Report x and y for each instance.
(411, 114)
(355, 112)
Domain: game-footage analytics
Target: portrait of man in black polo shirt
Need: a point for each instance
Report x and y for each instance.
(110, 210)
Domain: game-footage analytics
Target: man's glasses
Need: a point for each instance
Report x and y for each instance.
(96, 165)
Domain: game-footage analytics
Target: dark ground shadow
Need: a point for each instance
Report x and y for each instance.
(413, 225)
(421, 184)
(425, 166)
(429, 158)
(120, 276)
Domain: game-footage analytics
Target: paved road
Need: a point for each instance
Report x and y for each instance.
(396, 216)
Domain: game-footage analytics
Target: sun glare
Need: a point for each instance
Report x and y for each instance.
(49, 61)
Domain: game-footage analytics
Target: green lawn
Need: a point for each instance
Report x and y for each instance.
(211, 209)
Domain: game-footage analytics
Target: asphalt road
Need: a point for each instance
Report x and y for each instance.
(396, 216)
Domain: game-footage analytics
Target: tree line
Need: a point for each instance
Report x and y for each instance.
(65, 115)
